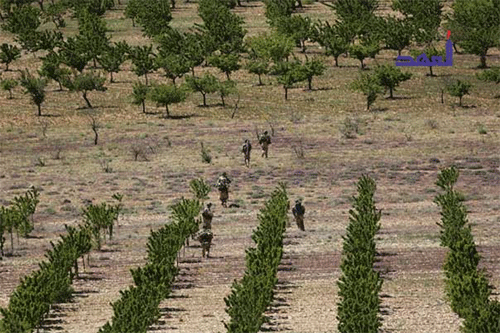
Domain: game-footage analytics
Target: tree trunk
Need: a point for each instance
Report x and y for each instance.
(95, 62)
(39, 109)
(96, 135)
(173, 3)
(12, 242)
(430, 70)
(303, 42)
(227, 76)
(40, 3)
(192, 70)
(299, 3)
(460, 101)
(133, 22)
(399, 52)
(173, 80)
(367, 103)
(390, 93)
(362, 64)
(7, 67)
(222, 98)
(483, 61)
(309, 82)
(204, 99)
(146, 76)
(60, 85)
(144, 106)
(111, 77)
(260, 80)
(442, 96)
(10, 94)
(286, 92)
(86, 99)
(111, 231)
(166, 108)
(336, 61)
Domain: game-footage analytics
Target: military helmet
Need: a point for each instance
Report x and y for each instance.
(209, 204)
(298, 201)
(265, 132)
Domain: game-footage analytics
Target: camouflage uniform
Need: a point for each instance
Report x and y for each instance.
(223, 186)
(265, 141)
(207, 217)
(205, 237)
(247, 148)
(298, 212)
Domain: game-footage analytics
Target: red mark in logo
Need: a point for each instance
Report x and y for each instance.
(448, 34)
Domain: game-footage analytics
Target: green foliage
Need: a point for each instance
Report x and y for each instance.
(200, 188)
(251, 296)
(85, 83)
(359, 285)
(492, 75)
(137, 307)
(332, 39)
(25, 205)
(397, 34)
(54, 13)
(51, 69)
(48, 40)
(166, 94)
(111, 59)
(92, 33)
(22, 20)
(8, 85)
(357, 14)
(143, 59)
(466, 285)
(153, 15)
(391, 76)
(139, 94)
(297, 27)
(207, 84)
(363, 51)
(368, 84)
(102, 217)
(259, 67)
(459, 89)
(227, 63)
(8, 53)
(270, 46)
(289, 73)
(35, 87)
(29, 304)
(74, 53)
(222, 30)
(174, 65)
(205, 154)
(423, 17)
(312, 68)
(277, 10)
(225, 89)
(476, 24)
(430, 51)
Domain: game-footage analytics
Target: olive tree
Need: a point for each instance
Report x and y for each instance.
(35, 87)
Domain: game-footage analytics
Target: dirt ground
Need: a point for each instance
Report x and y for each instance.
(402, 144)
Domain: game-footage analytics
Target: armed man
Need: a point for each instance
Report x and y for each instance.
(246, 149)
(205, 236)
(298, 213)
(207, 216)
(265, 141)
(223, 187)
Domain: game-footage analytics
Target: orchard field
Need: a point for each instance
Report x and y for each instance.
(323, 140)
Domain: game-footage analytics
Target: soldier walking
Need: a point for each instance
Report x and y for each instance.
(265, 141)
(223, 187)
(247, 148)
(205, 236)
(298, 213)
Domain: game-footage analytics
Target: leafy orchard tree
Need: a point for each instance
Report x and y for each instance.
(154, 16)
(364, 50)
(24, 19)
(289, 73)
(140, 94)
(48, 40)
(8, 85)
(174, 65)
(8, 53)
(35, 87)
(227, 63)
(298, 27)
(207, 84)
(132, 10)
(225, 89)
(476, 22)
(74, 53)
(312, 68)
(85, 83)
(277, 10)
(430, 51)
(143, 59)
(459, 89)
(55, 13)
(51, 69)
(270, 46)
(331, 38)
(368, 84)
(259, 67)
(222, 30)
(92, 31)
(397, 34)
(111, 60)
(492, 75)
(167, 94)
(390, 77)
(358, 14)
(423, 16)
